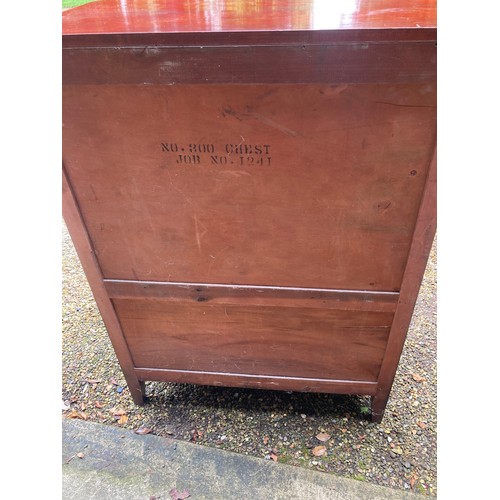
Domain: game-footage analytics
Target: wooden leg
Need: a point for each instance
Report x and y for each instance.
(137, 391)
(378, 404)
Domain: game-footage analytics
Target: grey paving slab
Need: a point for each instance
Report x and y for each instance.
(104, 462)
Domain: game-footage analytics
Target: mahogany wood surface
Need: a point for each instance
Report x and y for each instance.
(247, 380)
(229, 217)
(90, 265)
(250, 185)
(313, 63)
(254, 295)
(417, 261)
(262, 340)
(177, 16)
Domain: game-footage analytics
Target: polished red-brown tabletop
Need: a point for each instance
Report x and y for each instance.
(157, 16)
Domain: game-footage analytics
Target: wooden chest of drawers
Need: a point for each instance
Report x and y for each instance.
(251, 189)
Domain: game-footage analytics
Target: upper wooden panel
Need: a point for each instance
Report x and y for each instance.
(314, 186)
(188, 16)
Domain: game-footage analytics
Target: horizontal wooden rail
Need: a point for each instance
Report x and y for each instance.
(254, 295)
(249, 38)
(298, 384)
(329, 63)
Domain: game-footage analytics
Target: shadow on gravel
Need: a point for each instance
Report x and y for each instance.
(184, 403)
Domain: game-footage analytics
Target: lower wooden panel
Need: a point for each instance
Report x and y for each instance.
(257, 340)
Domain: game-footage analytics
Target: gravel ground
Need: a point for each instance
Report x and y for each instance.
(285, 427)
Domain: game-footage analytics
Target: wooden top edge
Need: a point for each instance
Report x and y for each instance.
(107, 17)
(247, 38)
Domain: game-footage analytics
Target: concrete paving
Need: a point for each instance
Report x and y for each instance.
(103, 462)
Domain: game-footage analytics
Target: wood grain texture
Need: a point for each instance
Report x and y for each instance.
(347, 300)
(334, 63)
(91, 268)
(250, 185)
(263, 340)
(249, 38)
(298, 384)
(174, 16)
(414, 272)
(335, 207)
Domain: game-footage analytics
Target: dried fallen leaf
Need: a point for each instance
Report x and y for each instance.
(274, 457)
(422, 425)
(98, 405)
(195, 434)
(266, 439)
(123, 420)
(417, 377)
(92, 381)
(113, 381)
(319, 451)
(412, 481)
(179, 495)
(323, 436)
(118, 412)
(142, 430)
(76, 414)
